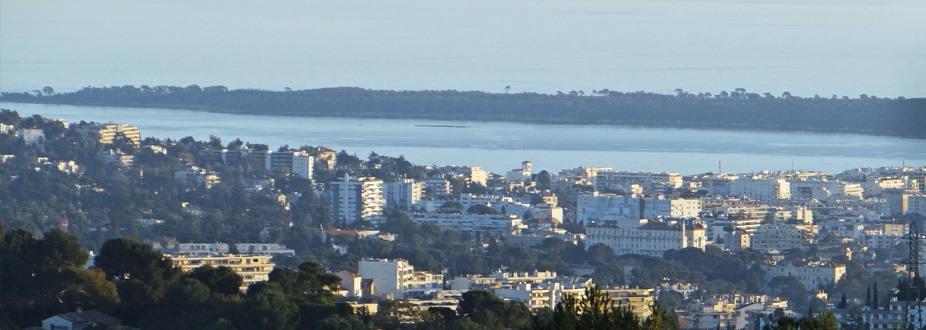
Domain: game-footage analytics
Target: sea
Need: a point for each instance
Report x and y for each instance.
(501, 146)
(806, 47)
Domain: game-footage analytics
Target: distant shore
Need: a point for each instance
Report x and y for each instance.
(737, 110)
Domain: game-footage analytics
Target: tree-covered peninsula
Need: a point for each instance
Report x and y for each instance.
(738, 109)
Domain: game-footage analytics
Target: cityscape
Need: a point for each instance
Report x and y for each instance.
(311, 237)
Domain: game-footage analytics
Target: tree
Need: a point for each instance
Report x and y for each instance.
(141, 274)
(221, 280)
(482, 209)
(267, 307)
(47, 90)
(56, 250)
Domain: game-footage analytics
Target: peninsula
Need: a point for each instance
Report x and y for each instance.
(736, 110)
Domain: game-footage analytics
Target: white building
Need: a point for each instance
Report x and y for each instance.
(198, 176)
(31, 135)
(478, 174)
(646, 237)
(252, 268)
(397, 278)
(201, 249)
(403, 193)
(80, 320)
(298, 162)
(613, 207)
(354, 199)
(651, 182)
(824, 190)
(814, 276)
(761, 188)
(495, 224)
(109, 132)
(520, 174)
(779, 237)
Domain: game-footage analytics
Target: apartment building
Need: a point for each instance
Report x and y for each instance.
(812, 275)
(198, 176)
(765, 189)
(403, 193)
(354, 199)
(481, 223)
(603, 207)
(397, 278)
(646, 237)
(252, 268)
(651, 182)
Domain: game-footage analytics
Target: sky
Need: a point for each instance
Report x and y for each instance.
(804, 47)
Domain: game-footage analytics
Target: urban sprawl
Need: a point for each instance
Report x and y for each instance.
(802, 242)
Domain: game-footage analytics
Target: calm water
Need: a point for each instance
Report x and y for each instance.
(502, 146)
(825, 47)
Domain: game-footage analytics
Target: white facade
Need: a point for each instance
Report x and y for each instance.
(31, 135)
(649, 238)
(813, 276)
(252, 268)
(200, 249)
(823, 190)
(760, 188)
(302, 165)
(397, 277)
(354, 199)
(197, 176)
(778, 237)
(109, 131)
(613, 207)
(651, 182)
(403, 193)
(471, 222)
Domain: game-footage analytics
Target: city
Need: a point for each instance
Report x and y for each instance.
(404, 244)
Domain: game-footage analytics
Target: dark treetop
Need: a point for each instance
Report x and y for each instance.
(738, 109)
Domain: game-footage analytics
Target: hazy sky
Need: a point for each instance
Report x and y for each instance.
(805, 47)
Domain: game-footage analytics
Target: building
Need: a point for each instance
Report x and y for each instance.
(520, 174)
(107, 133)
(638, 300)
(252, 268)
(298, 162)
(495, 224)
(403, 193)
(197, 176)
(203, 249)
(79, 320)
(355, 199)
(761, 188)
(645, 237)
(812, 275)
(118, 158)
(604, 207)
(540, 294)
(31, 135)
(824, 190)
(650, 182)
(779, 237)
(396, 278)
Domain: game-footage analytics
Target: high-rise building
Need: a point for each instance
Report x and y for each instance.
(354, 199)
(403, 193)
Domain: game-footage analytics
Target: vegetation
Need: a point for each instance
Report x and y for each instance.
(738, 109)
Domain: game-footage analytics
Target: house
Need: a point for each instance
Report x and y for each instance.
(79, 320)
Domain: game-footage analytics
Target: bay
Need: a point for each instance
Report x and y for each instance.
(499, 146)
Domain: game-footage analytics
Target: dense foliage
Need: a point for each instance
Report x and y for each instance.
(738, 109)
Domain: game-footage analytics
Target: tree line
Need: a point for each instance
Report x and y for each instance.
(143, 288)
(738, 109)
